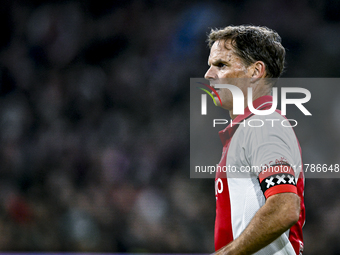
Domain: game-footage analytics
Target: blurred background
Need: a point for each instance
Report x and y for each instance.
(94, 121)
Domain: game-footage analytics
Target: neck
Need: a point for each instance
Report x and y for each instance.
(258, 92)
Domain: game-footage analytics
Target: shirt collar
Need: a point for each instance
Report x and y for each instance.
(259, 103)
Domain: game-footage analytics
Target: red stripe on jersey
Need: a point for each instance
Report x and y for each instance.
(295, 233)
(282, 188)
(223, 227)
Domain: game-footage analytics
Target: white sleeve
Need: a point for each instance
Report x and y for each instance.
(268, 146)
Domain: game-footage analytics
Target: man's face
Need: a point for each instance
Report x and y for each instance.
(225, 66)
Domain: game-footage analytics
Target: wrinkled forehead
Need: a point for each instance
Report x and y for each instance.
(221, 49)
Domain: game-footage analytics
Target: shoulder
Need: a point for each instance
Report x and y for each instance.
(269, 126)
(259, 130)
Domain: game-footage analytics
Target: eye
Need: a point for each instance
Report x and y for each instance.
(220, 65)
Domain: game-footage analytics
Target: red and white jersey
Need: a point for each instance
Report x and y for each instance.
(241, 190)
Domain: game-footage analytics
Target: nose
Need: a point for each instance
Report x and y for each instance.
(210, 74)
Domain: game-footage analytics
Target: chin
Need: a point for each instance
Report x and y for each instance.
(226, 105)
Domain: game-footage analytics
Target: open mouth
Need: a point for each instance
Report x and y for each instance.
(214, 93)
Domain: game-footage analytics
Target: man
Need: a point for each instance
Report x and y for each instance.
(263, 212)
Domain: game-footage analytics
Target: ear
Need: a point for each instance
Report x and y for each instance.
(259, 71)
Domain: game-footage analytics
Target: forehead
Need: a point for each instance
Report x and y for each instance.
(221, 49)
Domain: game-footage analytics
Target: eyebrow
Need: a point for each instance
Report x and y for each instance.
(216, 62)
